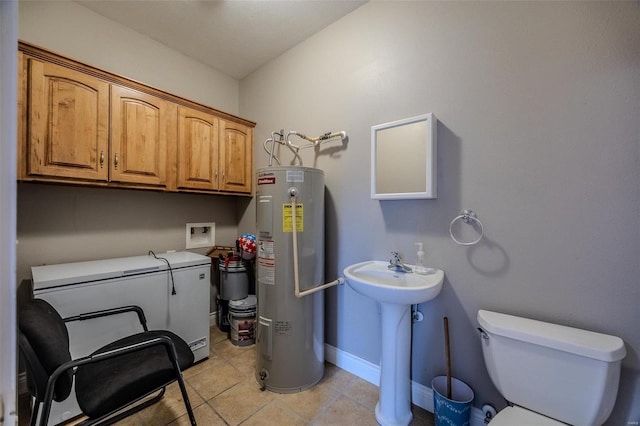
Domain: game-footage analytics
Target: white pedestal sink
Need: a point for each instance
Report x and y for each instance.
(396, 292)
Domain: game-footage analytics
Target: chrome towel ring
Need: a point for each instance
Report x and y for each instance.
(467, 216)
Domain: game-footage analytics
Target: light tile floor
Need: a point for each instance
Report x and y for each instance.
(223, 391)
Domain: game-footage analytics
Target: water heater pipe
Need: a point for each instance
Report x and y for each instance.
(296, 277)
(294, 148)
(324, 137)
(273, 141)
(314, 141)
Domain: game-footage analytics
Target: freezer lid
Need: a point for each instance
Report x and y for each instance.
(48, 276)
(182, 259)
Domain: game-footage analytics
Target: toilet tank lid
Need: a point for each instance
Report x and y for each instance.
(568, 339)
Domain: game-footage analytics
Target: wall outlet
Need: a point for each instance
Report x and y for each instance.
(201, 235)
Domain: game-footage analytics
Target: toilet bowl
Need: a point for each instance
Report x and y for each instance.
(550, 374)
(518, 416)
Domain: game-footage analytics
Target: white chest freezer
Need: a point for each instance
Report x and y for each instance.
(174, 298)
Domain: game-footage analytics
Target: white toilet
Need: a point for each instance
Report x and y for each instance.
(551, 374)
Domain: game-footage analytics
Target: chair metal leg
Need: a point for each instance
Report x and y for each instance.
(34, 412)
(171, 351)
(185, 397)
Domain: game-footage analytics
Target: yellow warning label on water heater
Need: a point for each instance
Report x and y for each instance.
(287, 217)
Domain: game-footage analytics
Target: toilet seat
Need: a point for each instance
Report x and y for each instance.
(511, 416)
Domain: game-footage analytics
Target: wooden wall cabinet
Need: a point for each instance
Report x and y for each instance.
(236, 144)
(197, 150)
(68, 115)
(82, 125)
(140, 127)
(213, 154)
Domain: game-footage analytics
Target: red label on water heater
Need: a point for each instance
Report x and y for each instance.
(266, 180)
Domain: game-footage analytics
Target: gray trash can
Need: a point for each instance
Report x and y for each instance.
(234, 281)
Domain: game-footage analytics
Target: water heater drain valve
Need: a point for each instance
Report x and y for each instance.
(264, 375)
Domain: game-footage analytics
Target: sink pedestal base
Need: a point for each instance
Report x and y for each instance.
(394, 406)
(396, 292)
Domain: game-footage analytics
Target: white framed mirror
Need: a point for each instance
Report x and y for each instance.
(403, 159)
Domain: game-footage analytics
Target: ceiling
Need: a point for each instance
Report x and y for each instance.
(235, 37)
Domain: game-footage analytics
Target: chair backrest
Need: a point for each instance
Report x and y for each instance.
(44, 344)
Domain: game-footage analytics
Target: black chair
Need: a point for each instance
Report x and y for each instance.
(110, 381)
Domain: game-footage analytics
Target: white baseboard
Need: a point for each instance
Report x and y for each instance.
(362, 368)
(421, 395)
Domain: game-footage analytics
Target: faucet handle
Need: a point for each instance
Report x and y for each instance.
(396, 257)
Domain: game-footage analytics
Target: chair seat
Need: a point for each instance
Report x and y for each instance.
(107, 385)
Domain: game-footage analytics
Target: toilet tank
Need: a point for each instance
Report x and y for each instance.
(565, 373)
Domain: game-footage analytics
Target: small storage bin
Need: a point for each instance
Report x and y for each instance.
(242, 316)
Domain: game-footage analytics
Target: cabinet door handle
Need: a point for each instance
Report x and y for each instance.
(215, 177)
(101, 159)
(223, 177)
(115, 161)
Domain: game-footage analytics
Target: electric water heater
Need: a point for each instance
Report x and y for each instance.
(290, 270)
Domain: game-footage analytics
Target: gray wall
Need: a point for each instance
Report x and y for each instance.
(539, 134)
(59, 224)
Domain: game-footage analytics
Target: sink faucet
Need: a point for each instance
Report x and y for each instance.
(396, 263)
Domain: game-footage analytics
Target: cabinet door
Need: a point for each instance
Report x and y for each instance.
(197, 149)
(68, 118)
(236, 153)
(138, 137)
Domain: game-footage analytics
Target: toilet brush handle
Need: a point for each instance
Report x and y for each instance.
(447, 355)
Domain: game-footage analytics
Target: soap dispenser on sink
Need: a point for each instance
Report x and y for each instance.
(420, 268)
